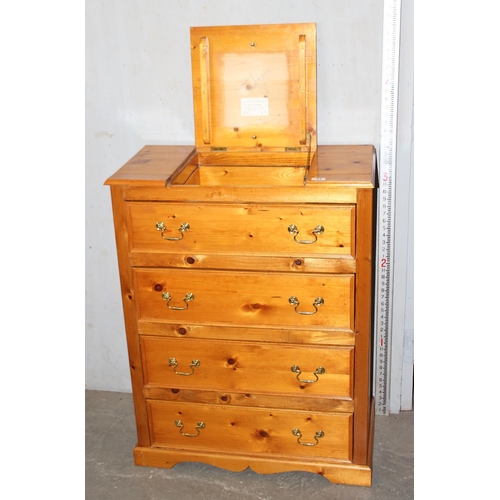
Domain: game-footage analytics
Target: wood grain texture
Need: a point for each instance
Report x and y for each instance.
(129, 311)
(291, 335)
(246, 298)
(248, 367)
(248, 175)
(152, 165)
(364, 326)
(236, 429)
(241, 264)
(260, 85)
(243, 229)
(296, 263)
(319, 193)
(341, 166)
(253, 399)
(255, 158)
(336, 472)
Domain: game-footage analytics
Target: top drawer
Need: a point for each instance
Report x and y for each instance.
(315, 230)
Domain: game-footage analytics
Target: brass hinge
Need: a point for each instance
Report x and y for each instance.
(218, 149)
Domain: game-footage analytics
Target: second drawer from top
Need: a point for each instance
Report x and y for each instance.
(245, 298)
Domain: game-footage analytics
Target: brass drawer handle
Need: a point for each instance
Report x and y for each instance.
(160, 226)
(187, 298)
(319, 371)
(318, 301)
(293, 229)
(318, 435)
(200, 425)
(194, 364)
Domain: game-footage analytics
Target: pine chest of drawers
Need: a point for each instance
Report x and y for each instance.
(246, 272)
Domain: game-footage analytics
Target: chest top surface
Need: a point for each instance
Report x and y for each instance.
(158, 166)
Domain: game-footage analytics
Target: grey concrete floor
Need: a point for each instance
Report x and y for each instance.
(110, 471)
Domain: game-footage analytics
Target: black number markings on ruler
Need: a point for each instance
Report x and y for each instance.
(385, 241)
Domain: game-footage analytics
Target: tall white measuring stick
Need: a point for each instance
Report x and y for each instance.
(385, 221)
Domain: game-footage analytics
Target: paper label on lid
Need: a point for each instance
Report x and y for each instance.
(254, 106)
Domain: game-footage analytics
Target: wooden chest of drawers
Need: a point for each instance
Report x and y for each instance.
(247, 294)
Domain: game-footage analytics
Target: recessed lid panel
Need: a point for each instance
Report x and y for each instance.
(254, 86)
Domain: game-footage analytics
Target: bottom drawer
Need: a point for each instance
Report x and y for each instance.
(232, 429)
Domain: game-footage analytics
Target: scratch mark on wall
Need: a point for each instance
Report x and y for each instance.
(103, 134)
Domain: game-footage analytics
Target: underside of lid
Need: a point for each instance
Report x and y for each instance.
(254, 87)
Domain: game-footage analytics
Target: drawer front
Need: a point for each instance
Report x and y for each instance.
(226, 229)
(248, 367)
(246, 298)
(232, 429)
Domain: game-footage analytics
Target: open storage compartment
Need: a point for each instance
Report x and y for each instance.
(250, 169)
(254, 90)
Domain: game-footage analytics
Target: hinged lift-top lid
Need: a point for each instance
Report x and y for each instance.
(254, 87)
